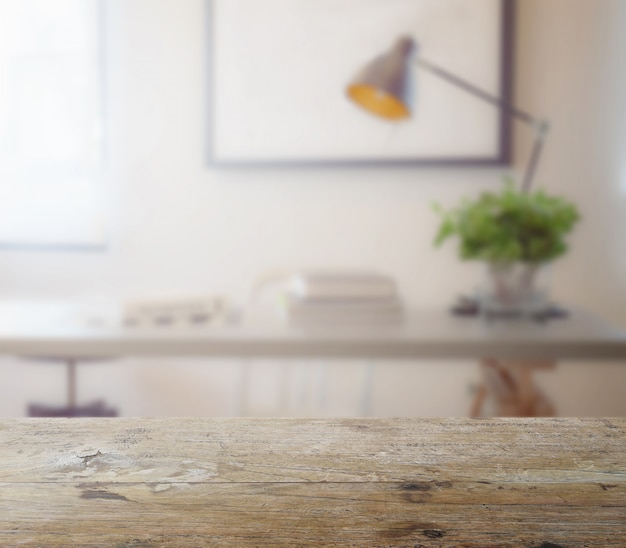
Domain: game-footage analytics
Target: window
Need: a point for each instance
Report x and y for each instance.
(51, 124)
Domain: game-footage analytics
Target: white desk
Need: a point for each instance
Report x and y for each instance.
(427, 334)
(430, 334)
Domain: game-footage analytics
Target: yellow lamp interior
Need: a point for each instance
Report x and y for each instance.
(379, 103)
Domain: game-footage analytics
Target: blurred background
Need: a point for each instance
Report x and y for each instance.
(144, 212)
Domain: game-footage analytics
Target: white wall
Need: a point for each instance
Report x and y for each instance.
(178, 225)
(572, 68)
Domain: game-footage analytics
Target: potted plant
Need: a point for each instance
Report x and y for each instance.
(515, 233)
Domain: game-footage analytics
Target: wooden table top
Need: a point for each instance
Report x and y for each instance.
(300, 482)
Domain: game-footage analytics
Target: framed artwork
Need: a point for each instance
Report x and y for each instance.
(279, 70)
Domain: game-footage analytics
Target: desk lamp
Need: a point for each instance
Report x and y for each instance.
(384, 88)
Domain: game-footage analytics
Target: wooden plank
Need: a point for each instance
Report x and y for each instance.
(291, 450)
(342, 514)
(334, 482)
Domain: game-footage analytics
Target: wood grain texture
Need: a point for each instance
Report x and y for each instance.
(299, 482)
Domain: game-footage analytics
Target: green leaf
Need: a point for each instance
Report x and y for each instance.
(508, 226)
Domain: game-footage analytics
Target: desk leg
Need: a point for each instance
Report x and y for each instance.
(528, 394)
(285, 384)
(322, 385)
(71, 384)
(367, 389)
(479, 400)
(97, 408)
(244, 388)
(512, 389)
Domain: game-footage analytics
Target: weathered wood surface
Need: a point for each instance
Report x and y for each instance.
(299, 482)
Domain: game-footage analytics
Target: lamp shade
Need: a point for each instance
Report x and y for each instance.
(384, 87)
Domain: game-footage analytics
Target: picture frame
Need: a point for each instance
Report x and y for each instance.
(278, 71)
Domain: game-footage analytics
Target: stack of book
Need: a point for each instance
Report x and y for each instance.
(319, 298)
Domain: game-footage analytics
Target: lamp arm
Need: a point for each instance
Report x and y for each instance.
(540, 127)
